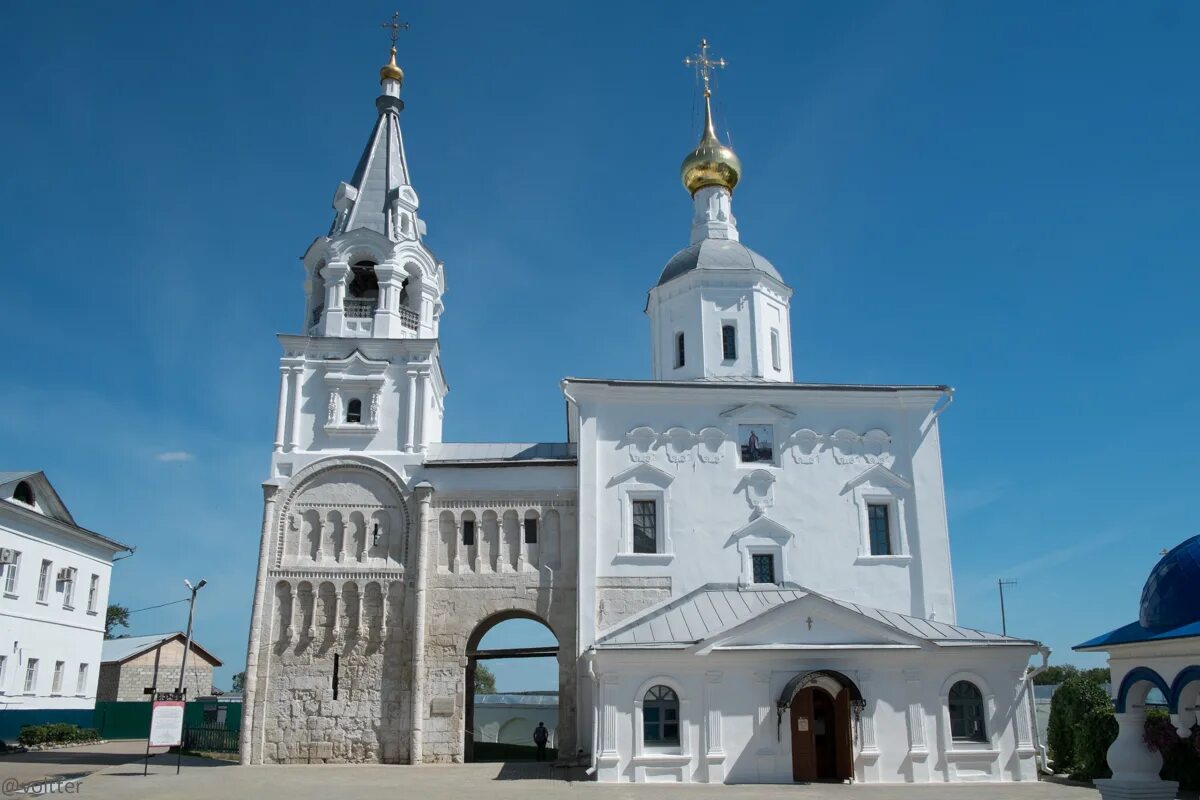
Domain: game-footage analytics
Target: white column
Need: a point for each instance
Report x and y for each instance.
(714, 754)
(293, 605)
(336, 629)
(411, 422)
(423, 412)
(384, 587)
(869, 751)
(251, 745)
(918, 750)
(1134, 766)
(281, 419)
(420, 565)
(298, 377)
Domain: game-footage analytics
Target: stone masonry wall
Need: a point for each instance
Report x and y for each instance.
(618, 599)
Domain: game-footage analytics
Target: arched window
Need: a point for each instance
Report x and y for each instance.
(728, 342)
(680, 354)
(362, 292)
(24, 493)
(660, 716)
(354, 411)
(966, 713)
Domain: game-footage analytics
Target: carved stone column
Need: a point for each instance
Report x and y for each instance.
(281, 418)
(714, 753)
(608, 759)
(1134, 766)
(918, 748)
(868, 755)
(297, 379)
(411, 423)
(293, 605)
(252, 740)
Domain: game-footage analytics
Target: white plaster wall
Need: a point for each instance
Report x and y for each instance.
(49, 631)
(743, 688)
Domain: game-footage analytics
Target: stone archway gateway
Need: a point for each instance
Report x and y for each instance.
(476, 654)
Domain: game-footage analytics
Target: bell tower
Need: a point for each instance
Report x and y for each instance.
(365, 372)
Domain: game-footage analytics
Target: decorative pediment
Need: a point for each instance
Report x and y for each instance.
(757, 410)
(758, 530)
(355, 369)
(647, 474)
(876, 475)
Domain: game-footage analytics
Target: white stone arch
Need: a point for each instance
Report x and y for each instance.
(360, 244)
(989, 711)
(308, 477)
(685, 721)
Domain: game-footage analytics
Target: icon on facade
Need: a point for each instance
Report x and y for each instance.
(756, 443)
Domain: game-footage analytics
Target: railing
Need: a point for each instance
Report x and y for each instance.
(210, 738)
(409, 318)
(358, 308)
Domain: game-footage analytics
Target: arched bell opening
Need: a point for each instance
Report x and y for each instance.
(514, 682)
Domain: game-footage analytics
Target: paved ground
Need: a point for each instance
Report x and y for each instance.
(68, 763)
(492, 781)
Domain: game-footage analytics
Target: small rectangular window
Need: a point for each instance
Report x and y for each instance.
(336, 664)
(10, 578)
(531, 528)
(468, 532)
(56, 684)
(680, 352)
(93, 593)
(728, 342)
(44, 581)
(81, 681)
(878, 520)
(776, 362)
(645, 526)
(764, 567)
(69, 589)
(3, 670)
(31, 666)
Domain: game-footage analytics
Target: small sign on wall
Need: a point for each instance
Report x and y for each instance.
(802, 724)
(441, 707)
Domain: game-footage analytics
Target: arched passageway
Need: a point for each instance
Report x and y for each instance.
(512, 674)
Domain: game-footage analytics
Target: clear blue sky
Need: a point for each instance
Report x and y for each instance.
(998, 196)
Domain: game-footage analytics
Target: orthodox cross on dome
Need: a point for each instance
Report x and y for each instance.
(704, 65)
(396, 26)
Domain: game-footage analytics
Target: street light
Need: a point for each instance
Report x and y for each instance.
(188, 647)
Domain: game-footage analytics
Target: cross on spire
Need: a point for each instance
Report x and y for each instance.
(704, 65)
(396, 26)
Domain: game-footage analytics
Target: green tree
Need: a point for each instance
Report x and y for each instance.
(115, 616)
(485, 681)
(1052, 676)
(239, 682)
(1082, 726)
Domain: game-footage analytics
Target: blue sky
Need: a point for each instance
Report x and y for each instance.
(998, 196)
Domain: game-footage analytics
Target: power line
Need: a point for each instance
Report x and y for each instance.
(160, 605)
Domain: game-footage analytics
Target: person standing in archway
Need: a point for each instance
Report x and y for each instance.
(540, 737)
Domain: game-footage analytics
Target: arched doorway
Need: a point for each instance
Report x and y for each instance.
(512, 674)
(821, 719)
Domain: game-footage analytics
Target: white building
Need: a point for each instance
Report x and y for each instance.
(749, 578)
(55, 583)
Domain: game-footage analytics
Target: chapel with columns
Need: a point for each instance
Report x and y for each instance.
(748, 577)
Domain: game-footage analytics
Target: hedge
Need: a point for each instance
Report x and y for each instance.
(1081, 728)
(55, 733)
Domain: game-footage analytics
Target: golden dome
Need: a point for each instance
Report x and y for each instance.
(390, 71)
(711, 163)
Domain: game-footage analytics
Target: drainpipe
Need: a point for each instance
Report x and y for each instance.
(424, 492)
(1030, 674)
(591, 671)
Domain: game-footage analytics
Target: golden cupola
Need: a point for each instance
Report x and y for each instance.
(391, 71)
(711, 163)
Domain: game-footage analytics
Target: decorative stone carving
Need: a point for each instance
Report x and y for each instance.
(876, 445)
(845, 446)
(804, 444)
(759, 487)
(640, 441)
(678, 443)
(373, 418)
(331, 417)
(711, 441)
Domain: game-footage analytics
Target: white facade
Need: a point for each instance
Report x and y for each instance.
(55, 588)
(749, 579)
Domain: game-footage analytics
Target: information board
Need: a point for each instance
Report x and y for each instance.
(166, 723)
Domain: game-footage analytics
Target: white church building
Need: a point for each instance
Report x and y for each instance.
(749, 578)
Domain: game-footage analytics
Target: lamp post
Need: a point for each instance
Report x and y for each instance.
(187, 648)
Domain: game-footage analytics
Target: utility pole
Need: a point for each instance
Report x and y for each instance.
(1003, 619)
(188, 646)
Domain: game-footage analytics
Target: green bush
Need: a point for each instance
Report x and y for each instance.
(1181, 757)
(55, 733)
(1082, 726)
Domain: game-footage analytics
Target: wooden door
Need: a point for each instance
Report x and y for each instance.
(804, 752)
(844, 740)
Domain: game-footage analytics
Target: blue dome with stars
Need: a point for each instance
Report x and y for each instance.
(1171, 597)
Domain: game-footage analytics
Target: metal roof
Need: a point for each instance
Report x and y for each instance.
(716, 608)
(741, 382)
(723, 254)
(517, 453)
(127, 647)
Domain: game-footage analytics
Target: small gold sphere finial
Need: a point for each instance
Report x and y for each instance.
(391, 71)
(711, 163)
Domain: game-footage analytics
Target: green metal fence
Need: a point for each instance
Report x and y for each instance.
(210, 738)
(131, 720)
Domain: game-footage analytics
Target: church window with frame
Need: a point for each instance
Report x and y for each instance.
(880, 528)
(645, 526)
(776, 361)
(729, 342)
(966, 713)
(762, 566)
(354, 411)
(680, 351)
(660, 716)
